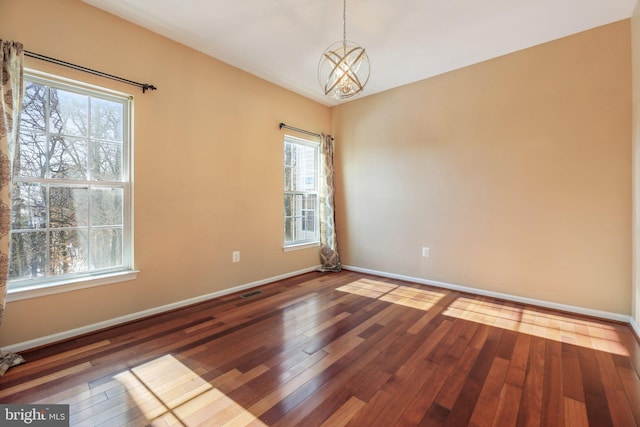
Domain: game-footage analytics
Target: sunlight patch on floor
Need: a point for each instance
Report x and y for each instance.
(422, 299)
(167, 392)
(564, 329)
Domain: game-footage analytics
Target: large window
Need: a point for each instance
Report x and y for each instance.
(70, 196)
(300, 192)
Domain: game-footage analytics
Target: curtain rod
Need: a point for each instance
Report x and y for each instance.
(282, 125)
(144, 86)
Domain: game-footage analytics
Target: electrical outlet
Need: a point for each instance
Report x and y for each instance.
(235, 256)
(425, 252)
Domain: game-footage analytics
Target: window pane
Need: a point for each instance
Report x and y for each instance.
(288, 205)
(288, 179)
(106, 161)
(106, 119)
(28, 255)
(69, 207)
(300, 235)
(309, 213)
(288, 154)
(69, 113)
(289, 234)
(106, 247)
(68, 158)
(310, 222)
(106, 206)
(31, 155)
(310, 202)
(28, 206)
(302, 173)
(69, 251)
(33, 114)
(307, 161)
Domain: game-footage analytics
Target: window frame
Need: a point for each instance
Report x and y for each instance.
(18, 289)
(315, 241)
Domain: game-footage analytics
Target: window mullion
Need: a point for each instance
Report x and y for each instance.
(47, 254)
(90, 187)
(47, 174)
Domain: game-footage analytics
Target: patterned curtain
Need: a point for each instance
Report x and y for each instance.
(11, 90)
(329, 258)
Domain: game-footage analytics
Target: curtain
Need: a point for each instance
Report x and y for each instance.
(329, 258)
(11, 90)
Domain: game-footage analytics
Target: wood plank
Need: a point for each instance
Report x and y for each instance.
(531, 402)
(594, 394)
(342, 349)
(575, 413)
(508, 411)
(629, 379)
(485, 410)
(619, 405)
(345, 413)
(552, 390)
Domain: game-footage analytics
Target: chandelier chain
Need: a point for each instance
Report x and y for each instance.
(344, 23)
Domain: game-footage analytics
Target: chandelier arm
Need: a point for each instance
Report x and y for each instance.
(352, 75)
(335, 83)
(342, 59)
(330, 89)
(333, 61)
(354, 79)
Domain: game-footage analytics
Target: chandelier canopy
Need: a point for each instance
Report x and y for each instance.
(344, 67)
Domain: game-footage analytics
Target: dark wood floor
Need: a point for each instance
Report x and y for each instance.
(342, 349)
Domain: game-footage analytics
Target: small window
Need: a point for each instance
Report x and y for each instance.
(300, 191)
(70, 192)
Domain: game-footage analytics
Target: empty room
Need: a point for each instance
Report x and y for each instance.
(320, 213)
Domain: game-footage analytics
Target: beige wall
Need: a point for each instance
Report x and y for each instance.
(635, 55)
(516, 172)
(208, 165)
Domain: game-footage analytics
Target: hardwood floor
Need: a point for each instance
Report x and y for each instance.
(342, 349)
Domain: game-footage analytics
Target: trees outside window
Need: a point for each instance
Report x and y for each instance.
(70, 185)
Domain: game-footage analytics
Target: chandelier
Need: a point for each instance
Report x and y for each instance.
(344, 67)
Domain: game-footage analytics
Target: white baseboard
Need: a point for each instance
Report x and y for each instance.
(15, 348)
(515, 298)
(634, 326)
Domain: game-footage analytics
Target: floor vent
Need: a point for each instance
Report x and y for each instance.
(250, 294)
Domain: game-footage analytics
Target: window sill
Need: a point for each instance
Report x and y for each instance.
(301, 246)
(61, 286)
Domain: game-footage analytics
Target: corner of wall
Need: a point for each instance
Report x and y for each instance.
(635, 84)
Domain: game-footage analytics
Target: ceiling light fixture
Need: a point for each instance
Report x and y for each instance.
(344, 67)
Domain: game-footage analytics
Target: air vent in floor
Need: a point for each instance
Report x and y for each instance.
(251, 294)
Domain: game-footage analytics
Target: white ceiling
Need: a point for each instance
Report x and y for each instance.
(407, 40)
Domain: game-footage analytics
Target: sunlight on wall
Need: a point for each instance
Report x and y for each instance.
(166, 391)
(564, 329)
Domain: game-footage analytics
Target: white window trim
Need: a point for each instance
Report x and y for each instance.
(39, 288)
(71, 284)
(299, 245)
